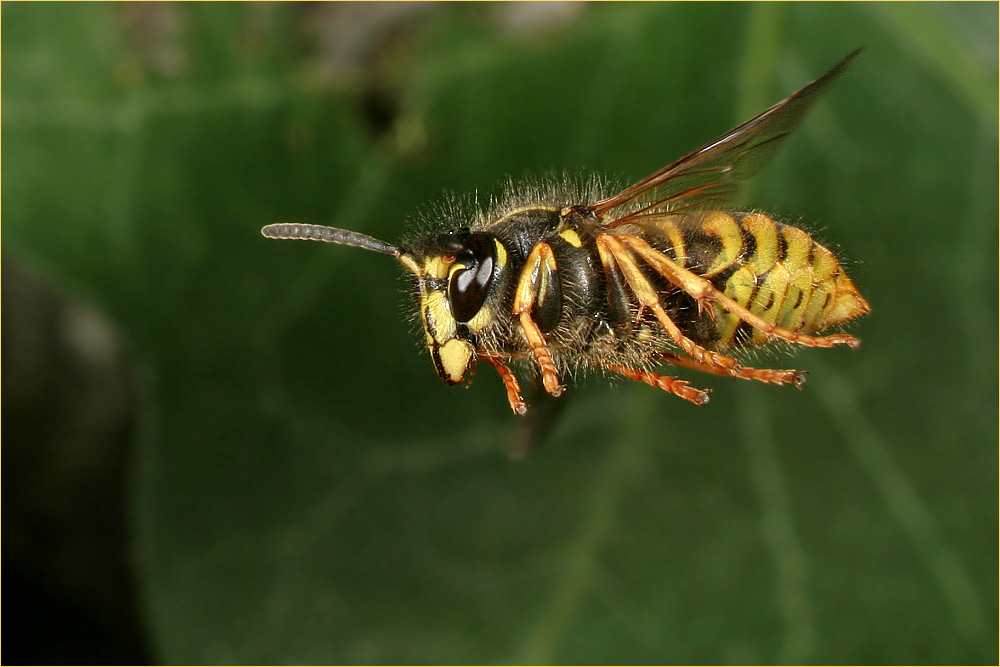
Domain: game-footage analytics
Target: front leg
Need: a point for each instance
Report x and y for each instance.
(537, 283)
(517, 403)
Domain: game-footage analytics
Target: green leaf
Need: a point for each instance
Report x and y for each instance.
(305, 490)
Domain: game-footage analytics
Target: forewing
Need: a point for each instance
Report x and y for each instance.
(709, 176)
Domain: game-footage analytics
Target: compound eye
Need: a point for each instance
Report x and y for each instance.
(468, 287)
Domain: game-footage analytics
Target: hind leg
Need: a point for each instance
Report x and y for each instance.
(773, 376)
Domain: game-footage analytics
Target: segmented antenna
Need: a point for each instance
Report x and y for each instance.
(293, 230)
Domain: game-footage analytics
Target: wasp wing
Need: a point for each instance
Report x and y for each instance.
(711, 175)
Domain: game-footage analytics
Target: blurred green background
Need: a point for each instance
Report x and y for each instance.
(222, 449)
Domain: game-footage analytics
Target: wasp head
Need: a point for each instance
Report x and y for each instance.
(455, 272)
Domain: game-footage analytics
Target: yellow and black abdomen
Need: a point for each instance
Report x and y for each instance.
(777, 271)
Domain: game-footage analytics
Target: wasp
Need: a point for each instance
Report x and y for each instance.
(566, 278)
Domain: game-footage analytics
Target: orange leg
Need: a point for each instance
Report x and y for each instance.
(517, 403)
(613, 252)
(704, 291)
(534, 279)
(798, 378)
(669, 384)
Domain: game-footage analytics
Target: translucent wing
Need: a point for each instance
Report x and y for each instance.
(711, 175)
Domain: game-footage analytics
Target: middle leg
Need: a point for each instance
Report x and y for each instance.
(664, 382)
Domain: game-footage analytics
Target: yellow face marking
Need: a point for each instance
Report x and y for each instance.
(454, 268)
(571, 237)
(438, 320)
(455, 356)
(482, 318)
(410, 264)
(437, 267)
(501, 254)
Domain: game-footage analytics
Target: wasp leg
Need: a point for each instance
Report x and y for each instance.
(666, 383)
(517, 403)
(704, 291)
(539, 271)
(612, 252)
(774, 376)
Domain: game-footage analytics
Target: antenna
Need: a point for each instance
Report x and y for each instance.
(303, 232)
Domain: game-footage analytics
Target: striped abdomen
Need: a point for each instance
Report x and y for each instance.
(777, 271)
